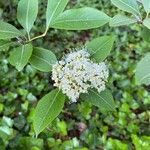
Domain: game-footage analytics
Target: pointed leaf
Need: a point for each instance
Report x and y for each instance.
(48, 108)
(100, 47)
(54, 8)
(143, 70)
(130, 6)
(43, 59)
(26, 13)
(103, 100)
(146, 4)
(120, 20)
(80, 19)
(7, 31)
(146, 23)
(19, 57)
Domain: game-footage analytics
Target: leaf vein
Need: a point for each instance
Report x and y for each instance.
(43, 60)
(102, 99)
(49, 109)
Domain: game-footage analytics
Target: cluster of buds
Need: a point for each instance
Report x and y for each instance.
(76, 73)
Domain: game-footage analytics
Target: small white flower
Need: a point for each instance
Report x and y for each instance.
(76, 73)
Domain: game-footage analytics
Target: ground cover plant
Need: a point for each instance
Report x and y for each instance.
(98, 119)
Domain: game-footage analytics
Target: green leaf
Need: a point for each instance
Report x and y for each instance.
(130, 6)
(146, 35)
(48, 108)
(19, 56)
(29, 143)
(54, 8)
(100, 47)
(7, 31)
(103, 100)
(120, 20)
(115, 144)
(4, 44)
(26, 13)
(146, 4)
(146, 23)
(80, 19)
(143, 70)
(43, 59)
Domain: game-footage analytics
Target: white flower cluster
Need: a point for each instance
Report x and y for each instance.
(76, 73)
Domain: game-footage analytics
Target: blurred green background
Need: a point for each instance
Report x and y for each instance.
(80, 126)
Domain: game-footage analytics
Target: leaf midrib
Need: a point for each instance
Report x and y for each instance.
(125, 20)
(102, 99)
(104, 44)
(4, 31)
(54, 12)
(22, 51)
(129, 6)
(77, 20)
(27, 18)
(42, 59)
(49, 109)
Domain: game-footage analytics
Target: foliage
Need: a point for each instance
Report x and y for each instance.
(48, 109)
(81, 126)
(131, 6)
(43, 60)
(100, 47)
(143, 68)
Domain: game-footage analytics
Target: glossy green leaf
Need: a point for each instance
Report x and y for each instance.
(48, 108)
(26, 13)
(7, 31)
(80, 19)
(120, 20)
(43, 59)
(146, 4)
(103, 100)
(143, 70)
(19, 57)
(146, 23)
(54, 8)
(100, 47)
(130, 6)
